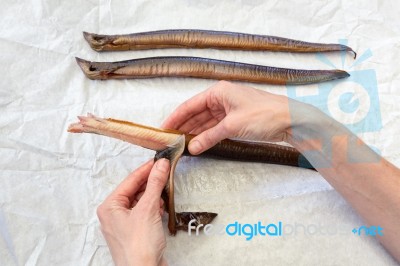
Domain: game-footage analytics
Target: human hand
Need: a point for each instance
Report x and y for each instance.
(228, 110)
(130, 217)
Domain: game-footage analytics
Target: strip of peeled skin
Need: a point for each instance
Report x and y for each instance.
(179, 220)
(190, 38)
(173, 144)
(197, 67)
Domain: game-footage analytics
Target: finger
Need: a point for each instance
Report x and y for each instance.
(186, 110)
(142, 188)
(134, 203)
(139, 195)
(157, 180)
(136, 198)
(161, 207)
(208, 138)
(134, 181)
(161, 203)
(195, 121)
(126, 191)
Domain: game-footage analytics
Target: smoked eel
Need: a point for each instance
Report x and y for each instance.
(197, 67)
(172, 144)
(191, 38)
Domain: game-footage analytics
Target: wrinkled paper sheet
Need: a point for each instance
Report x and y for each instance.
(52, 181)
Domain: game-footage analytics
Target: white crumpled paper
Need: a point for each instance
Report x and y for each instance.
(52, 181)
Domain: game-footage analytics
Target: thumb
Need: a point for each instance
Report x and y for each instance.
(207, 139)
(157, 180)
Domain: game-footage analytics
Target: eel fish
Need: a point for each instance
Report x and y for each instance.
(190, 38)
(197, 67)
(173, 144)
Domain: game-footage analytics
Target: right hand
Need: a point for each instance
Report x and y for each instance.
(130, 217)
(228, 110)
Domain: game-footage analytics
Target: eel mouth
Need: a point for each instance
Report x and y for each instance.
(91, 70)
(99, 70)
(101, 43)
(96, 41)
(87, 69)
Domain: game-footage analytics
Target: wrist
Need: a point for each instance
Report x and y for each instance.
(325, 142)
(308, 126)
(138, 255)
(145, 258)
(163, 262)
(316, 135)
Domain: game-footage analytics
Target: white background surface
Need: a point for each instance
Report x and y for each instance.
(51, 181)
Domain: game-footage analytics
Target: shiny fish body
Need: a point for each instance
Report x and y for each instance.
(197, 67)
(191, 38)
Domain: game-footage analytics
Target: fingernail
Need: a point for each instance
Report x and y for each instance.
(195, 147)
(163, 165)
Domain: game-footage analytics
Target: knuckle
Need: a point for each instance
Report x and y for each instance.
(101, 212)
(227, 129)
(220, 85)
(223, 83)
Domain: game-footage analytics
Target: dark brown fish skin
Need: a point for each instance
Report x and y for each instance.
(173, 152)
(179, 220)
(192, 38)
(197, 67)
(201, 218)
(236, 150)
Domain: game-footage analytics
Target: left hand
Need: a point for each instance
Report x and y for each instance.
(130, 217)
